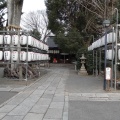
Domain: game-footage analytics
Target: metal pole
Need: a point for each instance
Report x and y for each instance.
(64, 58)
(93, 56)
(116, 47)
(100, 61)
(39, 68)
(27, 63)
(93, 62)
(96, 65)
(112, 58)
(105, 61)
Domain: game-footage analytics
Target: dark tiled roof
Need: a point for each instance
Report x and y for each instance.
(50, 42)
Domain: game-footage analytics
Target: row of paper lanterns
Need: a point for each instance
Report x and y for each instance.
(24, 40)
(101, 42)
(110, 54)
(24, 56)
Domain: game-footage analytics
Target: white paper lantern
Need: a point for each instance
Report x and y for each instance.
(119, 54)
(7, 39)
(23, 40)
(103, 41)
(41, 46)
(88, 48)
(47, 47)
(47, 57)
(111, 54)
(1, 39)
(15, 39)
(23, 56)
(108, 38)
(30, 40)
(32, 56)
(93, 45)
(36, 56)
(7, 55)
(99, 42)
(14, 55)
(37, 44)
(40, 56)
(43, 56)
(29, 57)
(107, 54)
(1, 55)
(112, 37)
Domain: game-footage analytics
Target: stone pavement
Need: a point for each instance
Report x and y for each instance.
(50, 97)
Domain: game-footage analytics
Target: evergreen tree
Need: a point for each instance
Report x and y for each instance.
(84, 17)
(3, 6)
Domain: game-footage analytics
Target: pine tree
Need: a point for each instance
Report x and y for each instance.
(2, 13)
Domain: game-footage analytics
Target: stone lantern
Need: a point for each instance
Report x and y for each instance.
(82, 69)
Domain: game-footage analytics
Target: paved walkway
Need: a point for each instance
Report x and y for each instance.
(52, 96)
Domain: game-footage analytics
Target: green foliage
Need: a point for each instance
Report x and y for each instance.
(118, 6)
(36, 34)
(3, 5)
(89, 62)
(70, 42)
(68, 20)
(64, 15)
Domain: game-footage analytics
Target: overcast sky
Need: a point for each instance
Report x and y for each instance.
(33, 5)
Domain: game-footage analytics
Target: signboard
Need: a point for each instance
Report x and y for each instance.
(108, 73)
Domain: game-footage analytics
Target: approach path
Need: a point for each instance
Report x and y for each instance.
(61, 94)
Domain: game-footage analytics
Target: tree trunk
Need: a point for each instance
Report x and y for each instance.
(14, 8)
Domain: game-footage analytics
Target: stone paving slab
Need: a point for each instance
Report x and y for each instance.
(33, 116)
(65, 116)
(40, 109)
(47, 96)
(7, 108)
(54, 113)
(2, 115)
(13, 117)
(44, 101)
(5, 95)
(6, 89)
(52, 119)
(57, 105)
(20, 111)
(94, 110)
(95, 96)
(101, 95)
(58, 99)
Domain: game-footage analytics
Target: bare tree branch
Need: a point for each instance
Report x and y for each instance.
(36, 20)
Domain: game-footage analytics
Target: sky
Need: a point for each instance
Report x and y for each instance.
(33, 5)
